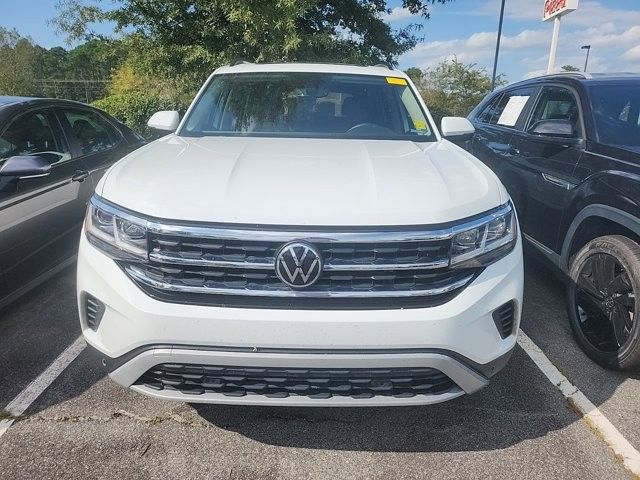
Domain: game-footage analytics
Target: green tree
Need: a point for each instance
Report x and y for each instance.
(212, 32)
(18, 59)
(453, 88)
(570, 68)
(416, 75)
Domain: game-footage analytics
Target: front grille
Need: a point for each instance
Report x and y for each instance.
(361, 269)
(504, 318)
(316, 383)
(171, 249)
(331, 285)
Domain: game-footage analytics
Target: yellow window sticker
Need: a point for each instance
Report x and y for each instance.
(396, 81)
(419, 124)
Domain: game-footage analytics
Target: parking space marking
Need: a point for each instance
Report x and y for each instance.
(21, 402)
(620, 446)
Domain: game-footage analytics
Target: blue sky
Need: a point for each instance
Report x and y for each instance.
(463, 28)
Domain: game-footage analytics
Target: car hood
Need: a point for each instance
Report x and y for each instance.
(295, 181)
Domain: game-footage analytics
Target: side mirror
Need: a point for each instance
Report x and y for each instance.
(26, 166)
(553, 128)
(456, 127)
(167, 120)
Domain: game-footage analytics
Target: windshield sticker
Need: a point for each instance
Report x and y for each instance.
(419, 124)
(396, 81)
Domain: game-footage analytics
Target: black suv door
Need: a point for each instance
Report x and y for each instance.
(38, 215)
(543, 165)
(495, 125)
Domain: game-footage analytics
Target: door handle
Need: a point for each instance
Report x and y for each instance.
(80, 176)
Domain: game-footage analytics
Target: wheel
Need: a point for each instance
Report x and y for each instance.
(602, 299)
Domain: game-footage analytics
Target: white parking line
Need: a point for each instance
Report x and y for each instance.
(21, 402)
(620, 446)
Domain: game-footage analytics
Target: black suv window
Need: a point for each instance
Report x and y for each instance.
(29, 134)
(556, 103)
(489, 111)
(616, 109)
(506, 110)
(92, 133)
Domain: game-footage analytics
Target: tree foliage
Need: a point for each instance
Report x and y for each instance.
(569, 68)
(415, 74)
(27, 67)
(135, 108)
(453, 88)
(18, 59)
(220, 31)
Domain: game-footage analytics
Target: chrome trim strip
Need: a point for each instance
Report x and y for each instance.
(328, 267)
(139, 276)
(543, 249)
(203, 262)
(558, 182)
(264, 234)
(267, 235)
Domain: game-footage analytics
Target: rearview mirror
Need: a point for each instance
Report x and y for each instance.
(166, 120)
(456, 127)
(25, 166)
(553, 128)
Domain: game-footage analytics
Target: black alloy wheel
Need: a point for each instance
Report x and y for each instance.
(603, 301)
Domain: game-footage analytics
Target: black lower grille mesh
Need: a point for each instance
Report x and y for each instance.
(285, 382)
(94, 309)
(504, 319)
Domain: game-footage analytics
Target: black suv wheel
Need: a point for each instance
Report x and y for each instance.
(603, 301)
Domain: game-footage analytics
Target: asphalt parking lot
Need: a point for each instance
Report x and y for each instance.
(521, 426)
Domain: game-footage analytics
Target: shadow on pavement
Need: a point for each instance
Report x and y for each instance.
(518, 405)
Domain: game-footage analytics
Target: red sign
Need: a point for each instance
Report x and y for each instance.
(553, 8)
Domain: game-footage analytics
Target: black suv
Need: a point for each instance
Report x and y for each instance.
(567, 148)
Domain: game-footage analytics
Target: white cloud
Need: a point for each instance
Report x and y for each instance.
(613, 34)
(633, 54)
(397, 14)
(587, 13)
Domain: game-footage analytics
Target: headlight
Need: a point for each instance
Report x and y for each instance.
(115, 232)
(484, 240)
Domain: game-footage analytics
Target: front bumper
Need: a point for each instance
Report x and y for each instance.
(459, 338)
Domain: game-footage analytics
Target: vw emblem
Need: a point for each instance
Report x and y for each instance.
(298, 265)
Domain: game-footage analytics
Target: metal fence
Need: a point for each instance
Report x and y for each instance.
(81, 90)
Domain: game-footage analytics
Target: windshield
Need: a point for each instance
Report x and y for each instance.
(616, 109)
(287, 104)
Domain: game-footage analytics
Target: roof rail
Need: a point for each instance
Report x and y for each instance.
(570, 74)
(241, 61)
(383, 65)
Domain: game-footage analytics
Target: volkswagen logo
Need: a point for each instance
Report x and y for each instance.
(298, 265)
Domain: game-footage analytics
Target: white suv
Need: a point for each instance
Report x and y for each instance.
(305, 237)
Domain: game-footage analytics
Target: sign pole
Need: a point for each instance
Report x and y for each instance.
(495, 60)
(554, 45)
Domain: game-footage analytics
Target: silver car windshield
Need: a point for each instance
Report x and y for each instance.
(288, 104)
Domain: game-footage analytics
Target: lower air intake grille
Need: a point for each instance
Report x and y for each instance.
(313, 383)
(94, 309)
(504, 318)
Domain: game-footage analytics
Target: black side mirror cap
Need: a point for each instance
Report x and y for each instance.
(26, 166)
(553, 128)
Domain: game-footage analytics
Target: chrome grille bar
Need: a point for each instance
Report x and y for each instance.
(139, 274)
(269, 264)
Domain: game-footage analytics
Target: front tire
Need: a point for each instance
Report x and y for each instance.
(603, 302)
